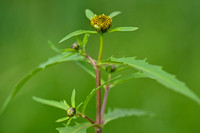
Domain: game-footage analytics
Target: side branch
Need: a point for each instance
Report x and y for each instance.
(91, 61)
(105, 98)
(87, 118)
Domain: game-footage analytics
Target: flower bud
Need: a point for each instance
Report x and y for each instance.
(75, 46)
(110, 68)
(71, 111)
(101, 23)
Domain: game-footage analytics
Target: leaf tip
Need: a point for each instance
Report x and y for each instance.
(35, 98)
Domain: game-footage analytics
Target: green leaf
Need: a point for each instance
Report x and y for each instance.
(65, 103)
(94, 91)
(84, 66)
(53, 103)
(76, 33)
(85, 40)
(120, 113)
(124, 29)
(62, 119)
(121, 68)
(79, 40)
(78, 128)
(68, 122)
(68, 50)
(73, 98)
(115, 13)
(129, 77)
(156, 72)
(77, 108)
(88, 69)
(62, 57)
(53, 47)
(89, 14)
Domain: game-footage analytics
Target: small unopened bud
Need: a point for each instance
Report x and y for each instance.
(110, 68)
(75, 46)
(71, 112)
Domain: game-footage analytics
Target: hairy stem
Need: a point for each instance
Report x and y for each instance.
(105, 98)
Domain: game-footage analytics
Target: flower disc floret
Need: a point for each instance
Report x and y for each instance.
(101, 23)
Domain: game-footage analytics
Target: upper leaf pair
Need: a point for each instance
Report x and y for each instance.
(89, 14)
(101, 23)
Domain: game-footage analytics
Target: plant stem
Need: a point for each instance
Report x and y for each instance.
(91, 61)
(105, 98)
(98, 97)
(98, 83)
(86, 117)
(101, 47)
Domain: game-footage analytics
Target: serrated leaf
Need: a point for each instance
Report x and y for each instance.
(78, 128)
(62, 57)
(88, 69)
(76, 33)
(156, 72)
(121, 68)
(53, 103)
(62, 119)
(129, 77)
(89, 14)
(120, 113)
(115, 13)
(94, 91)
(73, 98)
(124, 29)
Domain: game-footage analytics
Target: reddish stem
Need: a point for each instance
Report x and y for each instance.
(105, 98)
(98, 95)
(98, 100)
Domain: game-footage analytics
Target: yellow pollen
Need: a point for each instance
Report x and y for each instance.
(101, 23)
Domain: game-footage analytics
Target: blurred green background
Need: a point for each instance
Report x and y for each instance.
(169, 36)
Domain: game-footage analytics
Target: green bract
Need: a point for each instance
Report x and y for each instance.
(113, 14)
(71, 110)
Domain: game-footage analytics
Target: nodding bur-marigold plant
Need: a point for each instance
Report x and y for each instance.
(78, 53)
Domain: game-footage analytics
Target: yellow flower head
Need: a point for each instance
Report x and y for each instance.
(101, 23)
